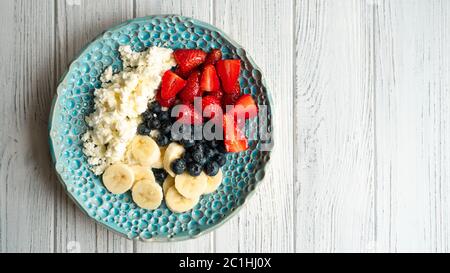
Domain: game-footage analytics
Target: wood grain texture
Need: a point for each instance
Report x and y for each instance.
(78, 22)
(412, 125)
(28, 83)
(265, 30)
(199, 9)
(334, 153)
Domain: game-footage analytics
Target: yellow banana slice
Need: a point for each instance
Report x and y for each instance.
(141, 172)
(169, 182)
(177, 202)
(159, 163)
(173, 151)
(145, 150)
(213, 182)
(147, 194)
(191, 186)
(118, 178)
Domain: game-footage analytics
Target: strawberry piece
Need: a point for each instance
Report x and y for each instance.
(212, 106)
(218, 94)
(188, 115)
(234, 140)
(209, 80)
(228, 71)
(192, 88)
(245, 107)
(213, 57)
(181, 74)
(188, 59)
(165, 103)
(171, 84)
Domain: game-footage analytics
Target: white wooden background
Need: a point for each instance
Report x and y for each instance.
(362, 96)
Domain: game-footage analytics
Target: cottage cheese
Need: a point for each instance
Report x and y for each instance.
(119, 103)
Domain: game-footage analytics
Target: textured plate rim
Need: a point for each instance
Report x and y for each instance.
(63, 82)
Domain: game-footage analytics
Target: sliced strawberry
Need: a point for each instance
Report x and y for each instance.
(192, 88)
(212, 106)
(171, 84)
(213, 56)
(181, 74)
(245, 107)
(188, 59)
(209, 80)
(228, 71)
(234, 140)
(165, 103)
(188, 115)
(218, 94)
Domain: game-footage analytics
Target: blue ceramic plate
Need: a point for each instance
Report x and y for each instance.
(74, 100)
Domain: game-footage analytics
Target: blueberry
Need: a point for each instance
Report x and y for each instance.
(147, 114)
(194, 169)
(209, 153)
(221, 148)
(164, 116)
(153, 123)
(198, 156)
(155, 107)
(211, 168)
(178, 166)
(160, 175)
(143, 129)
(162, 140)
(187, 143)
(165, 128)
(221, 159)
(213, 143)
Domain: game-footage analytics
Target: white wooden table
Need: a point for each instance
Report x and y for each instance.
(362, 96)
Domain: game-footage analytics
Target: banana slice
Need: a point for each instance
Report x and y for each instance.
(173, 151)
(191, 186)
(141, 172)
(169, 182)
(177, 202)
(213, 182)
(145, 150)
(118, 178)
(159, 163)
(147, 194)
(128, 158)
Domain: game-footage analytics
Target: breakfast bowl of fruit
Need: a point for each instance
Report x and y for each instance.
(161, 128)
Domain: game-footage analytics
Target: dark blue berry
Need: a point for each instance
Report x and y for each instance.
(178, 166)
(213, 143)
(162, 140)
(164, 116)
(143, 129)
(221, 159)
(147, 115)
(187, 143)
(211, 168)
(165, 128)
(198, 156)
(160, 175)
(194, 169)
(155, 107)
(209, 153)
(153, 123)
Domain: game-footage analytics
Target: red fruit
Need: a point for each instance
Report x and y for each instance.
(171, 85)
(188, 115)
(228, 71)
(188, 59)
(192, 88)
(234, 140)
(209, 80)
(229, 99)
(165, 103)
(212, 106)
(213, 56)
(218, 94)
(181, 74)
(245, 107)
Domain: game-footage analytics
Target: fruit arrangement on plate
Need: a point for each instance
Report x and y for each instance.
(114, 151)
(164, 163)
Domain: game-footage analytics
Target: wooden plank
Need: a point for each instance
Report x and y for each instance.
(27, 81)
(78, 22)
(334, 151)
(265, 30)
(199, 9)
(412, 129)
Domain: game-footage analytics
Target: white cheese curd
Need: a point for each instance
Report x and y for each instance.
(119, 103)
